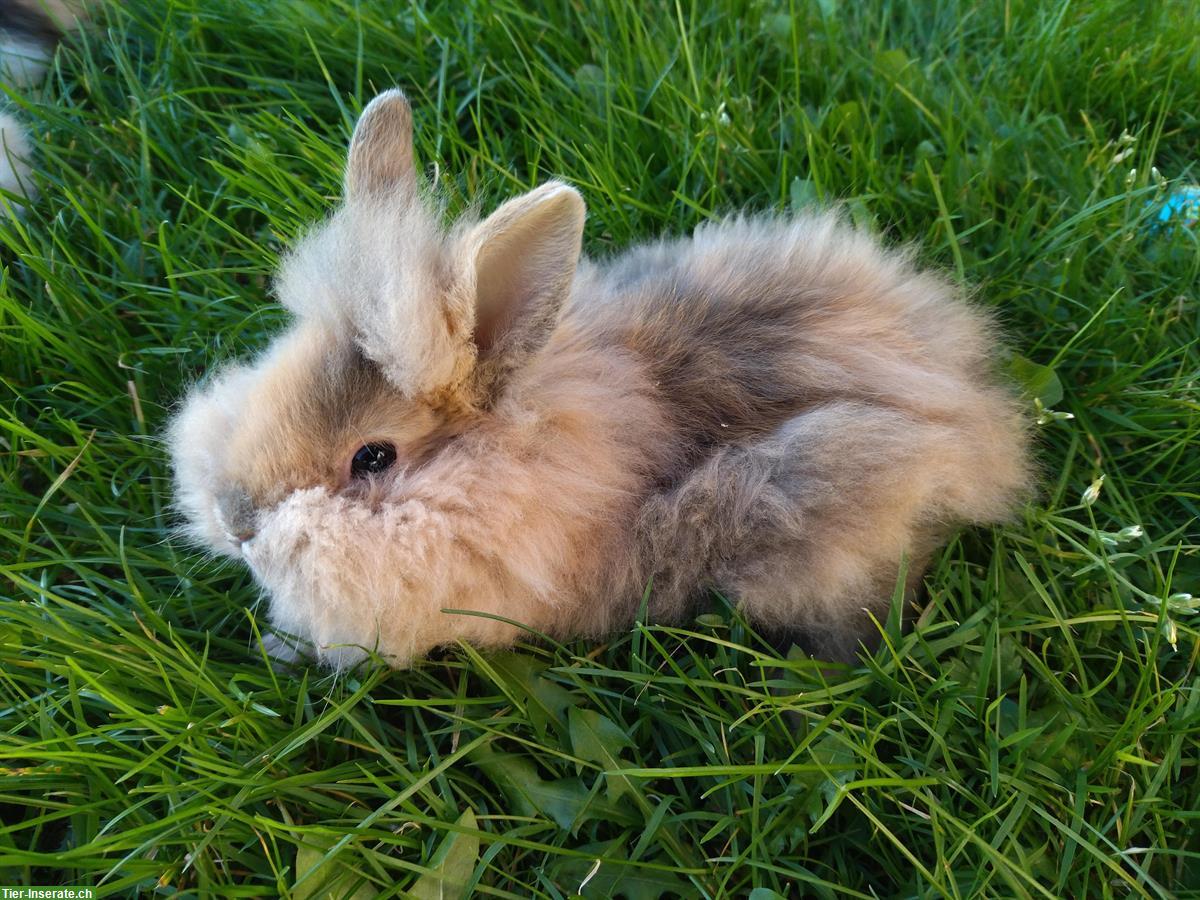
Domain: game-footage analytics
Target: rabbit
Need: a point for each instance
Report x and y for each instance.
(30, 32)
(471, 433)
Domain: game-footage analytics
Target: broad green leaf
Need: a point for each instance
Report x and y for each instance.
(636, 883)
(828, 8)
(334, 880)
(762, 893)
(1039, 382)
(802, 194)
(845, 117)
(584, 878)
(777, 27)
(592, 84)
(545, 701)
(452, 865)
(589, 76)
(596, 738)
(565, 800)
(896, 65)
(830, 751)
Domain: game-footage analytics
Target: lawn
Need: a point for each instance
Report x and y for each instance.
(1036, 735)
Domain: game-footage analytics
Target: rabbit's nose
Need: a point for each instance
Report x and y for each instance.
(238, 514)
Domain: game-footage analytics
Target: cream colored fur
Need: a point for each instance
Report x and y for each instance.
(25, 54)
(14, 159)
(779, 408)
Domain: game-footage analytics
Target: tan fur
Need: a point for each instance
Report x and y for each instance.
(779, 408)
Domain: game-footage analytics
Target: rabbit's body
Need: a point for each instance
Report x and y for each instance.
(831, 411)
(777, 408)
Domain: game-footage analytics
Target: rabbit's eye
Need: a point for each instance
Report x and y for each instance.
(372, 459)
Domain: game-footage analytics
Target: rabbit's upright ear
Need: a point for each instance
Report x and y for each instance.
(380, 161)
(524, 258)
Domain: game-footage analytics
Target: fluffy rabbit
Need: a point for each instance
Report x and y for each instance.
(476, 419)
(30, 31)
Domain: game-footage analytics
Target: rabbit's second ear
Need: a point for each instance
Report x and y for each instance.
(380, 160)
(524, 256)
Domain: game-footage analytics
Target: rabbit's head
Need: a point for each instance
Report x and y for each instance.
(404, 334)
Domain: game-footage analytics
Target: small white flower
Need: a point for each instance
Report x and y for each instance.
(1112, 538)
(1046, 416)
(1183, 604)
(1092, 494)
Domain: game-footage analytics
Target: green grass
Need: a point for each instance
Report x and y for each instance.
(1039, 733)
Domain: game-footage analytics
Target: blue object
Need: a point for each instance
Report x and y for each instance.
(1182, 207)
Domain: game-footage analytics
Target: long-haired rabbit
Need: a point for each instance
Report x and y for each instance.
(30, 31)
(469, 427)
